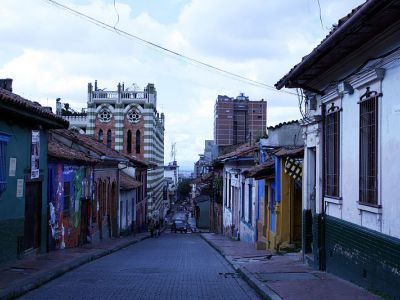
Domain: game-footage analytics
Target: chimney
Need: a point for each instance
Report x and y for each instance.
(6, 84)
(95, 85)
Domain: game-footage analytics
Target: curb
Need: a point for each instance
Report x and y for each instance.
(264, 291)
(41, 279)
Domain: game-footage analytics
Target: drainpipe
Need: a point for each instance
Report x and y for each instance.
(322, 262)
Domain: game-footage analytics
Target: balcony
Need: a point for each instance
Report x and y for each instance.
(112, 96)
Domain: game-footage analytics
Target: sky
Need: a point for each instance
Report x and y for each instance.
(51, 54)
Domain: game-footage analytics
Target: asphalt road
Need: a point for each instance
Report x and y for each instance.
(173, 266)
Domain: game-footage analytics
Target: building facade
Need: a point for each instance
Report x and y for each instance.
(239, 120)
(24, 131)
(351, 131)
(127, 121)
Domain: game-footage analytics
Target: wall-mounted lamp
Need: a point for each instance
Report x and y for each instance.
(345, 88)
(312, 101)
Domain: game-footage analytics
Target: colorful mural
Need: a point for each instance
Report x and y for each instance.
(69, 205)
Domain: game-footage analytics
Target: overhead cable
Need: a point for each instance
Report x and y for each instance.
(166, 50)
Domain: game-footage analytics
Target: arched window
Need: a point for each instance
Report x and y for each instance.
(138, 141)
(109, 138)
(129, 142)
(100, 139)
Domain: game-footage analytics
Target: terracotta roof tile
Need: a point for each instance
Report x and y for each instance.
(60, 151)
(127, 182)
(16, 101)
(99, 148)
(290, 151)
(260, 170)
(360, 25)
(241, 151)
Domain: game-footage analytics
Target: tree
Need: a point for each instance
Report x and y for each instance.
(184, 188)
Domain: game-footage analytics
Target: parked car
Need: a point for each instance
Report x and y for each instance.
(180, 226)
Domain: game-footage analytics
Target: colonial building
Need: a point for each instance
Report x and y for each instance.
(24, 131)
(351, 130)
(127, 121)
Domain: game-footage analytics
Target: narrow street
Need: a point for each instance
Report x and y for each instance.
(173, 266)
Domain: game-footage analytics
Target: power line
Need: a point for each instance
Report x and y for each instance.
(166, 50)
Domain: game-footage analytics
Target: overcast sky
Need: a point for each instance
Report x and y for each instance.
(51, 53)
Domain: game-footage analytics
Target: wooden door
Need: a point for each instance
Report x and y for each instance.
(33, 208)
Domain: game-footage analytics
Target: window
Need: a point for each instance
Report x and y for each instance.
(243, 198)
(250, 203)
(67, 197)
(368, 147)
(138, 140)
(332, 152)
(3, 161)
(230, 193)
(129, 142)
(226, 189)
(133, 115)
(109, 138)
(100, 137)
(105, 115)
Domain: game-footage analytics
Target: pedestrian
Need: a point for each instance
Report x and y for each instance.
(157, 229)
(173, 227)
(151, 228)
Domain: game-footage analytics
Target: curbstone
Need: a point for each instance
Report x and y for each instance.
(264, 291)
(40, 279)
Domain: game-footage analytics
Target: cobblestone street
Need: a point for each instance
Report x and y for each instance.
(173, 266)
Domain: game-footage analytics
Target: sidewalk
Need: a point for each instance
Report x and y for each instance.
(24, 275)
(283, 276)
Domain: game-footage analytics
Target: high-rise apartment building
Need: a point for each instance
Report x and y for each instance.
(239, 120)
(127, 121)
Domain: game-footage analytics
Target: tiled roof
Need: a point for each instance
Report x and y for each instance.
(60, 151)
(127, 182)
(15, 101)
(240, 151)
(290, 151)
(283, 124)
(99, 148)
(260, 170)
(351, 32)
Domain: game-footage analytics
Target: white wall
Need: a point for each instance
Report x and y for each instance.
(387, 218)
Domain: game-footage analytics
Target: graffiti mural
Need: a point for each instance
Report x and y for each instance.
(69, 195)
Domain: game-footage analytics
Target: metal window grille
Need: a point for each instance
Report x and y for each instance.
(332, 152)
(368, 148)
(243, 198)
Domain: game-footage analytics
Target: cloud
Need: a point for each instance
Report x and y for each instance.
(51, 53)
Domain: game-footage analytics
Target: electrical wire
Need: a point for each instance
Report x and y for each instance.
(167, 51)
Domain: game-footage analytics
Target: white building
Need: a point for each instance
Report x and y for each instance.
(351, 132)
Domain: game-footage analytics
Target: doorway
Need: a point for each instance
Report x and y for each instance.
(33, 208)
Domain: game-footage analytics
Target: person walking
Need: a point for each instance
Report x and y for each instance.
(157, 228)
(151, 228)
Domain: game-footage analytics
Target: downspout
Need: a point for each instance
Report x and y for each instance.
(322, 262)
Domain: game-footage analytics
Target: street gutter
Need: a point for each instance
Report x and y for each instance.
(264, 291)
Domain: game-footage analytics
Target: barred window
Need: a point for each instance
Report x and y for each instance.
(332, 152)
(250, 203)
(368, 148)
